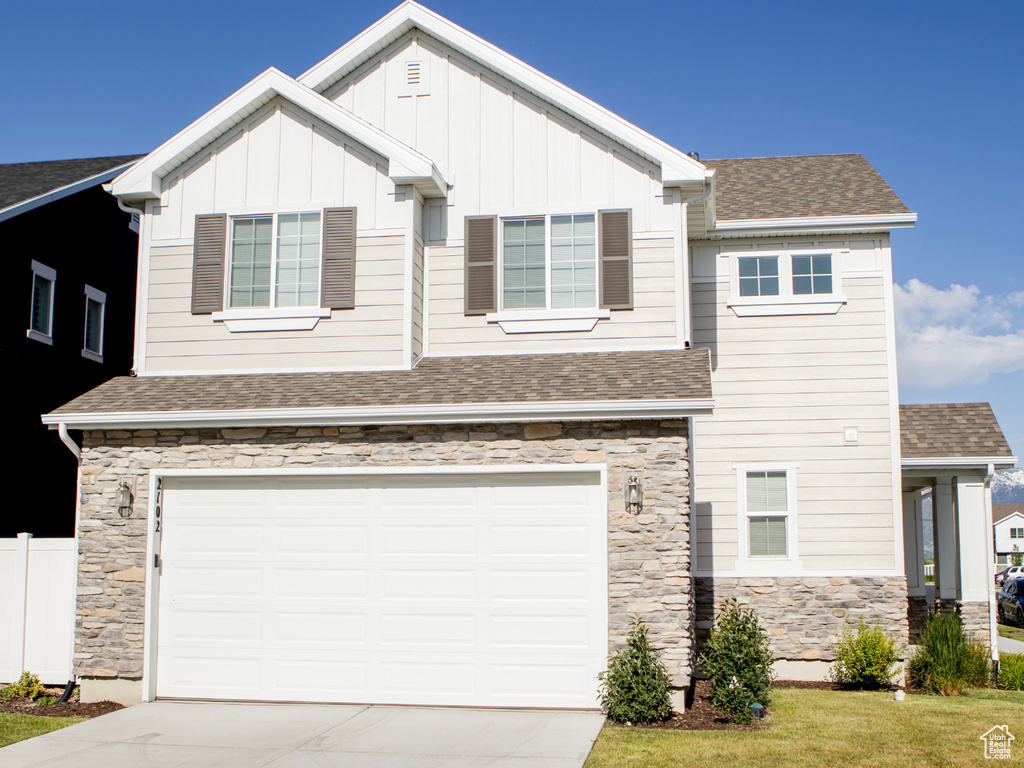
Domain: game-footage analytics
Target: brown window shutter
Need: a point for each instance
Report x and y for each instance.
(208, 264)
(481, 264)
(339, 259)
(616, 255)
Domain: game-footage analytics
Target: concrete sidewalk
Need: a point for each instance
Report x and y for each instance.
(1009, 645)
(168, 734)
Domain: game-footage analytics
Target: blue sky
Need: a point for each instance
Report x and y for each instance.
(931, 93)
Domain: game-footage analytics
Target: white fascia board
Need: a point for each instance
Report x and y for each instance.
(388, 414)
(61, 192)
(406, 165)
(877, 221)
(963, 462)
(676, 167)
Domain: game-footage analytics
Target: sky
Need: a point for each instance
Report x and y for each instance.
(932, 93)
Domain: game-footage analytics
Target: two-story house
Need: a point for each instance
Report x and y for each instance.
(69, 323)
(443, 372)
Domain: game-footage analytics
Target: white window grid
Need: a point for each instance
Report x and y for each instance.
(275, 219)
(44, 280)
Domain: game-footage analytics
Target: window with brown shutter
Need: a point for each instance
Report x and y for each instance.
(339, 259)
(481, 273)
(208, 264)
(616, 259)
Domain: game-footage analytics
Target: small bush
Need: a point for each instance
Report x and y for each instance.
(28, 687)
(738, 661)
(45, 701)
(1011, 671)
(635, 687)
(948, 659)
(865, 656)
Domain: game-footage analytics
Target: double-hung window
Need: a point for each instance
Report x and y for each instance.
(1017, 533)
(40, 325)
(549, 262)
(767, 507)
(787, 282)
(275, 261)
(95, 306)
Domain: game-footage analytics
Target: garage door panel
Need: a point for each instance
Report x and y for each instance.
(486, 590)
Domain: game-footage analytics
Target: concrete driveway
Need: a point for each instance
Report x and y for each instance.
(168, 734)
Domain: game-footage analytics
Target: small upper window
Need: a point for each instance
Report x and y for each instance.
(95, 307)
(549, 262)
(275, 261)
(812, 274)
(759, 276)
(40, 325)
(1017, 533)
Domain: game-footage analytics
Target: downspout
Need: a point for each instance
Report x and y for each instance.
(683, 234)
(72, 446)
(990, 567)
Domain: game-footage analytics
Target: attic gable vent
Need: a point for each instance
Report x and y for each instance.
(414, 78)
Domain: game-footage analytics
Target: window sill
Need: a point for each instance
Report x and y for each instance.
(547, 321)
(271, 318)
(90, 355)
(776, 306)
(37, 336)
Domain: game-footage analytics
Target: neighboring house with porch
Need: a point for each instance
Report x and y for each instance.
(70, 256)
(1007, 531)
(444, 372)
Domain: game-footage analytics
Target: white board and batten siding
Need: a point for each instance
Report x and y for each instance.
(786, 389)
(279, 159)
(456, 588)
(509, 153)
(37, 606)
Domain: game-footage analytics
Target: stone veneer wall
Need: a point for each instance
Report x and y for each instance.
(974, 616)
(802, 614)
(649, 553)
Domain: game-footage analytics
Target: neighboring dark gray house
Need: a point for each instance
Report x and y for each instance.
(71, 255)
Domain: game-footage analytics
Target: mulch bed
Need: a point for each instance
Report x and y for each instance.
(72, 708)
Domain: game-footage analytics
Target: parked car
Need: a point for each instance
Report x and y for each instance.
(1010, 601)
(1014, 571)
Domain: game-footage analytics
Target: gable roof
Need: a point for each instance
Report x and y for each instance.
(405, 164)
(676, 166)
(1002, 511)
(24, 186)
(642, 384)
(951, 430)
(755, 188)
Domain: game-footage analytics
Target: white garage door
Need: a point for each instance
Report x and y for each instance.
(445, 589)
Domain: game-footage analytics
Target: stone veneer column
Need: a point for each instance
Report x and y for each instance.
(648, 554)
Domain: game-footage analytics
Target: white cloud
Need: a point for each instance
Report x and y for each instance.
(955, 336)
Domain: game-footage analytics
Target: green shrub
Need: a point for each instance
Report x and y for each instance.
(635, 687)
(865, 656)
(1011, 671)
(28, 687)
(737, 661)
(948, 659)
(45, 701)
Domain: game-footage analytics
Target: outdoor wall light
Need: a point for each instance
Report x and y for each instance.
(124, 498)
(634, 495)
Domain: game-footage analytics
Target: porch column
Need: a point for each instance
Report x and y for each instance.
(913, 543)
(945, 534)
(977, 590)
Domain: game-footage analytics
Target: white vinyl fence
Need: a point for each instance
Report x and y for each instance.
(37, 608)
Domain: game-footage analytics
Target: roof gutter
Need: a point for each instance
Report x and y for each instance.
(388, 414)
(975, 462)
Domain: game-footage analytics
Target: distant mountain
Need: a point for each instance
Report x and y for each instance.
(1008, 486)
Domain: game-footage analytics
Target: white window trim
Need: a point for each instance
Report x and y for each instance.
(546, 319)
(46, 273)
(766, 566)
(101, 298)
(270, 318)
(786, 303)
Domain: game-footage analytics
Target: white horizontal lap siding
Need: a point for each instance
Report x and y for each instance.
(368, 336)
(786, 387)
(482, 589)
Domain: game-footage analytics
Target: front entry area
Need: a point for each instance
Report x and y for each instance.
(444, 588)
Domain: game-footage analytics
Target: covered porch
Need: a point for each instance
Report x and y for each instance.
(949, 453)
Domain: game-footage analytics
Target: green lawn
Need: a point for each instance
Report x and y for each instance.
(19, 727)
(1014, 633)
(831, 728)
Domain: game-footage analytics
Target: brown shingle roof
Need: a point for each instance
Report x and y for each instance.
(813, 185)
(951, 430)
(580, 377)
(1002, 511)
